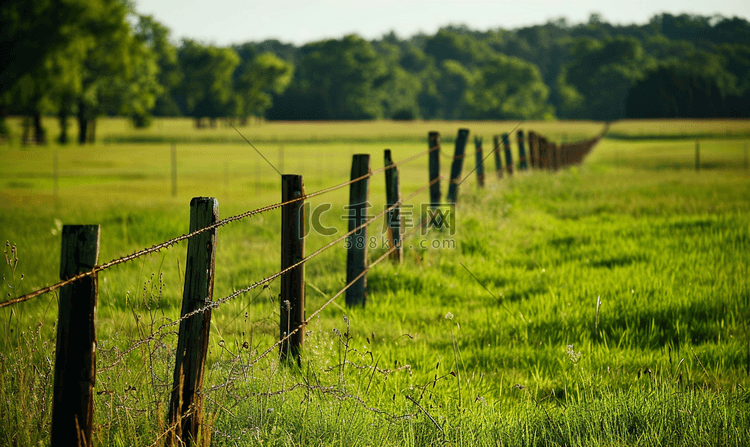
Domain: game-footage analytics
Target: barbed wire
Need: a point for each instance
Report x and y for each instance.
(338, 294)
(217, 303)
(220, 223)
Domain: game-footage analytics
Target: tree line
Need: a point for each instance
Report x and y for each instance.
(87, 58)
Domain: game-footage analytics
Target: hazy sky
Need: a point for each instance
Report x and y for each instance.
(224, 22)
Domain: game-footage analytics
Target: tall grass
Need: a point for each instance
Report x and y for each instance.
(605, 304)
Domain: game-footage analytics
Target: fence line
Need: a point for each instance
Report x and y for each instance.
(235, 294)
(221, 223)
(555, 156)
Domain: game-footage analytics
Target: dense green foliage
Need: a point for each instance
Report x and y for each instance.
(90, 58)
(584, 71)
(601, 305)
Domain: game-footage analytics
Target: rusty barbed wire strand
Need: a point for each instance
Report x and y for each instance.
(338, 294)
(489, 153)
(217, 303)
(221, 223)
(468, 155)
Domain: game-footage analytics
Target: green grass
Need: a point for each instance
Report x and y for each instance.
(498, 341)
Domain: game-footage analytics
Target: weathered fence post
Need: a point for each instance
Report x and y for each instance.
(542, 152)
(292, 301)
(75, 353)
(173, 152)
(186, 403)
(393, 217)
(533, 149)
(457, 165)
(508, 154)
(479, 161)
(496, 150)
(356, 243)
(697, 156)
(434, 147)
(555, 157)
(522, 163)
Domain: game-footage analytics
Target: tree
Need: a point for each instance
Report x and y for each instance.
(134, 94)
(106, 67)
(465, 49)
(453, 82)
(36, 39)
(599, 76)
(155, 36)
(670, 92)
(399, 89)
(256, 79)
(508, 88)
(207, 88)
(336, 80)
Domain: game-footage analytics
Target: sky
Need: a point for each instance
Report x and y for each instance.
(225, 22)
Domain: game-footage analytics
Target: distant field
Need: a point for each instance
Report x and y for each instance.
(605, 304)
(679, 129)
(120, 130)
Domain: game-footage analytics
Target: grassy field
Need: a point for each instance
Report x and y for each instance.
(605, 304)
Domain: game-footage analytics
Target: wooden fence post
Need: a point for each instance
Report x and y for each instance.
(543, 152)
(75, 353)
(522, 163)
(186, 403)
(292, 301)
(356, 243)
(479, 161)
(393, 217)
(697, 156)
(457, 165)
(434, 146)
(173, 152)
(496, 150)
(555, 157)
(508, 154)
(533, 149)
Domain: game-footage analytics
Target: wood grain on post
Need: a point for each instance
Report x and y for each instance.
(393, 217)
(544, 157)
(555, 156)
(292, 301)
(498, 162)
(434, 146)
(533, 149)
(479, 161)
(522, 162)
(356, 243)
(186, 404)
(508, 154)
(75, 353)
(457, 165)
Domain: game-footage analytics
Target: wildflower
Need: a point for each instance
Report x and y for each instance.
(449, 316)
(572, 354)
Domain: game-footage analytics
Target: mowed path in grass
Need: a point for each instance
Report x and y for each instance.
(569, 296)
